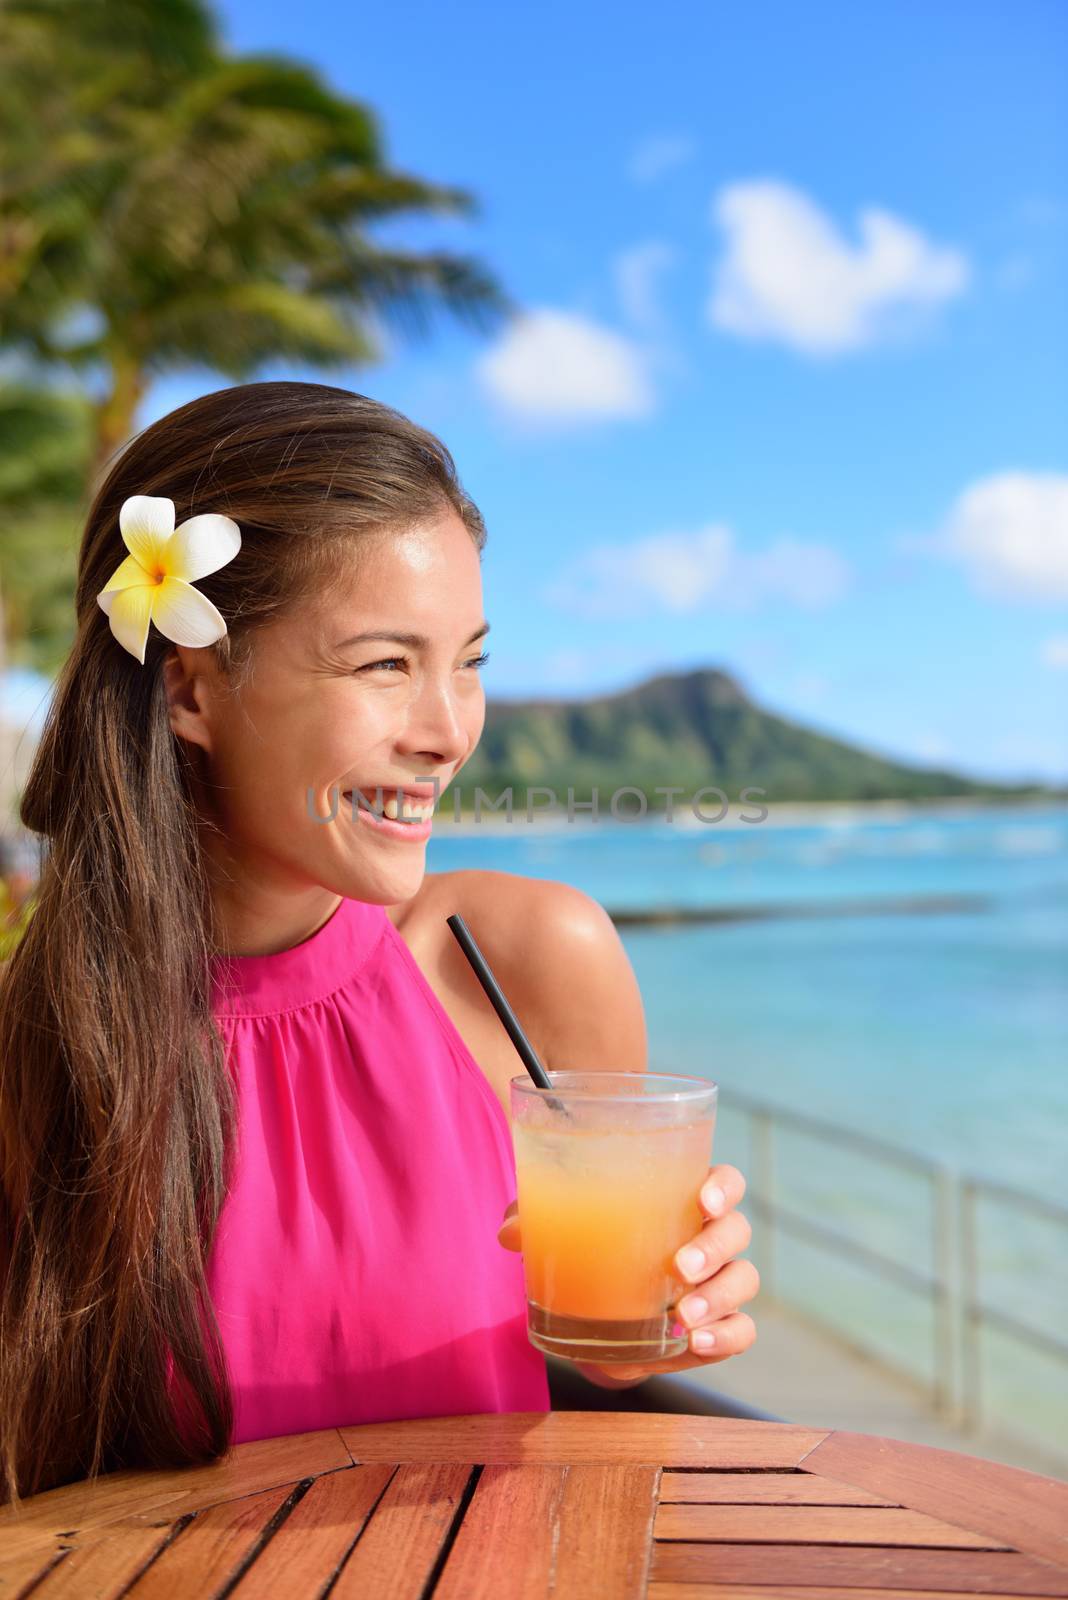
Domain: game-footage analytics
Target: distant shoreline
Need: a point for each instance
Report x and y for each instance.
(784, 814)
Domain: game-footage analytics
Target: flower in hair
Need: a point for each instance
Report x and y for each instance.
(155, 582)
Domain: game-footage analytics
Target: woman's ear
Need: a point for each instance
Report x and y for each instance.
(189, 698)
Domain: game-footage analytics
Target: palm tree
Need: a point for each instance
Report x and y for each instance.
(46, 437)
(46, 442)
(166, 206)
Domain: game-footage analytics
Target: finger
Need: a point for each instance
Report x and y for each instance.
(730, 1336)
(713, 1247)
(733, 1336)
(722, 1190)
(508, 1233)
(732, 1286)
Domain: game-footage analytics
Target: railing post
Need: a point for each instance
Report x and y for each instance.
(946, 1310)
(762, 1158)
(972, 1365)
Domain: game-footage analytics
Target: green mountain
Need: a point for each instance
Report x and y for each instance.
(687, 730)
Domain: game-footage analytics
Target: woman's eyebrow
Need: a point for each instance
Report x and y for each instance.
(414, 641)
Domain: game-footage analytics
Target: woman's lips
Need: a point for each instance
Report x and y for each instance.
(385, 815)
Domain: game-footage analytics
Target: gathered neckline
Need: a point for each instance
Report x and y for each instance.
(304, 974)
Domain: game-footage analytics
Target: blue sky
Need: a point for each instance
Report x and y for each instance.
(790, 390)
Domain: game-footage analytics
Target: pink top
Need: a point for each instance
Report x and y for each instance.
(356, 1272)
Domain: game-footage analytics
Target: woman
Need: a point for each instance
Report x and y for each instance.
(254, 1104)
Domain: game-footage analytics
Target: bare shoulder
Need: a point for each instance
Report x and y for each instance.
(559, 959)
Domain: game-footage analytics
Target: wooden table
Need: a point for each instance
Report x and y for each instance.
(604, 1505)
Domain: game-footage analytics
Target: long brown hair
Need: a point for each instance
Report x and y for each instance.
(116, 1108)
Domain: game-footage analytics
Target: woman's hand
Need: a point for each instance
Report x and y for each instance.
(716, 1284)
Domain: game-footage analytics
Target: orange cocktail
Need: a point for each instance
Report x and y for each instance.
(609, 1167)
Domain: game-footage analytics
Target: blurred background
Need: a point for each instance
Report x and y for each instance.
(748, 329)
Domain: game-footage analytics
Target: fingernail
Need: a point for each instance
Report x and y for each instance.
(691, 1261)
(677, 1330)
(703, 1339)
(713, 1199)
(694, 1309)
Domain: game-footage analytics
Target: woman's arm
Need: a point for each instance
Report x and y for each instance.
(580, 997)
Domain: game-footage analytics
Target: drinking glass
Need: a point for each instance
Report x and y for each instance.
(609, 1166)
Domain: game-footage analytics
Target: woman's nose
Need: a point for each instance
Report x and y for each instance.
(437, 725)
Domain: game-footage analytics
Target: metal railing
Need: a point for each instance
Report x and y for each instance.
(975, 1313)
(951, 1285)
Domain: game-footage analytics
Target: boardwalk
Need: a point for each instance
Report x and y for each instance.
(803, 1374)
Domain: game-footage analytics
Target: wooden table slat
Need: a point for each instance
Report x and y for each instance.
(762, 1488)
(396, 1553)
(210, 1549)
(309, 1546)
(105, 1568)
(504, 1532)
(603, 1536)
(562, 1438)
(18, 1572)
(117, 1496)
(1027, 1510)
(815, 1525)
(582, 1531)
(829, 1567)
(717, 1591)
(565, 1504)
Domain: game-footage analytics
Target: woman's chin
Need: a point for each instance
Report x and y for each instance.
(386, 883)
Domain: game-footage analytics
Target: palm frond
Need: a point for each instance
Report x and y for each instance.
(247, 324)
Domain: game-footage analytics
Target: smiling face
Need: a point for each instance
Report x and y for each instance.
(324, 714)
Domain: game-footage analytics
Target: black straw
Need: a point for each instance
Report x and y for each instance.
(496, 998)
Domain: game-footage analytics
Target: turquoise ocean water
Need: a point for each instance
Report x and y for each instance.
(946, 1033)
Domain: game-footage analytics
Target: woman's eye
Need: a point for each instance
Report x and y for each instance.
(390, 661)
(402, 661)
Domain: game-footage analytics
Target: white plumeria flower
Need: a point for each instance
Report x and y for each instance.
(155, 582)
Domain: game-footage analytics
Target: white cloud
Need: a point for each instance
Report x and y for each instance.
(687, 572)
(788, 274)
(553, 365)
(636, 272)
(1010, 534)
(1054, 652)
(658, 154)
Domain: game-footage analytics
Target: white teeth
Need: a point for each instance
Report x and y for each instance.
(382, 805)
(414, 810)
